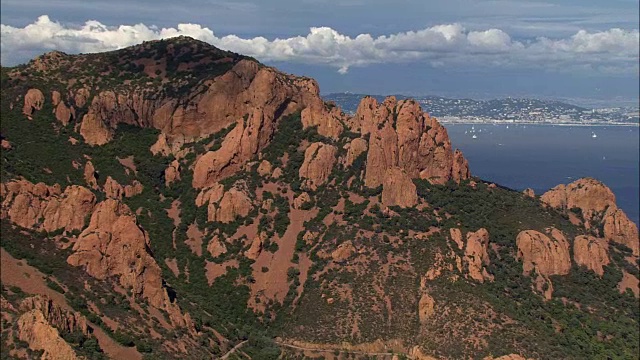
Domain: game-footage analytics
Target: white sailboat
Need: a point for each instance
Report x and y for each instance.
(474, 136)
(593, 135)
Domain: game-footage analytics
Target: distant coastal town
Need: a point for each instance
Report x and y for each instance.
(506, 111)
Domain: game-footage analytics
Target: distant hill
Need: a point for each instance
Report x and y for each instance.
(507, 109)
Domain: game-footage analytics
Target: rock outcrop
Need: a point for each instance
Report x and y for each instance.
(326, 117)
(401, 135)
(591, 252)
(256, 247)
(355, 148)
(63, 113)
(343, 251)
(224, 206)
(90, 175)
(319, 159)
(476, 255)
(172, 173)
(113, 189)
(64, 321)
(544, 255)
(33, 101)
(42, 207)
(114, 245)
(398, 189)
(426, 307)
(597, 205)
(34, 329)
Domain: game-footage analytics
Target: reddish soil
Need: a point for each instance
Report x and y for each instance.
(273, 285)
(194, 240)
(129, 164)
(215, 270)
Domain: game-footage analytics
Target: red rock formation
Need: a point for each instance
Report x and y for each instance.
(354, 149)
(62, 320)
(319, 159)
(591, 252)
(43, 207)
(402, 135)
(114, 190)
(256, 247)
(328, 119)
(90, 175)
(33, 100)
(426, 307)
(63, 113)
(34, 329)
(265, 168)
(302, 199)
(398, 189)
(597, 203)
(172, 173)
(216, 247)
(114, 245)
(476, 255)
(544, 255)
(529, 192)
(343, 251)
(224, 206)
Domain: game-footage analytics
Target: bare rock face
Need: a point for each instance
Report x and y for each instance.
(591, 252)
(327, 118)
(90, 175)
(456, 236)
(426, 307)
(597, 203)
(343, 251)
(63, 113)
(476, 255)
(398, 189)
(33, 101)
(114, 245)
(62, 320)
(172, 173)
(356, 148)
(42, 207)
(302, 199)
(114, 190)
(529, 192)
(216, 247)
(544, 255)
(94, 131)
(265, 168)
(34, 329)
(401, 135)
(224, 206)
(319, 159)
(256, 247)
(618, 228)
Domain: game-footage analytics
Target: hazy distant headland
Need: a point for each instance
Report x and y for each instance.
(507, 110)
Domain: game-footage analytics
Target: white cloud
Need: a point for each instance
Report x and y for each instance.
(613, 50)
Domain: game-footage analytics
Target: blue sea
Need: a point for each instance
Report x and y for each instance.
(543, 156)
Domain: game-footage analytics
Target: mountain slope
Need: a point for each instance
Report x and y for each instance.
(194, 203)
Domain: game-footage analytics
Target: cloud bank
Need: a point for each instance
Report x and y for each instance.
(448, 45)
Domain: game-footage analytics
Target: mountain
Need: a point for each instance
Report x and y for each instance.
(172, 200)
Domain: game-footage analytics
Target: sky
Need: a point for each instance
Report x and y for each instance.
(577, 49)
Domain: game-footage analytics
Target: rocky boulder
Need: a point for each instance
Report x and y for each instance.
(33, 101)
(426, 307)
(172, 173)
(355, 148)
(34, 329)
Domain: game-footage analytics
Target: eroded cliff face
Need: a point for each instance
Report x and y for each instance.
(114, 245)
(545, 255)
(401, 135)
(597, 206)
(42, 207)
(591, 252)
